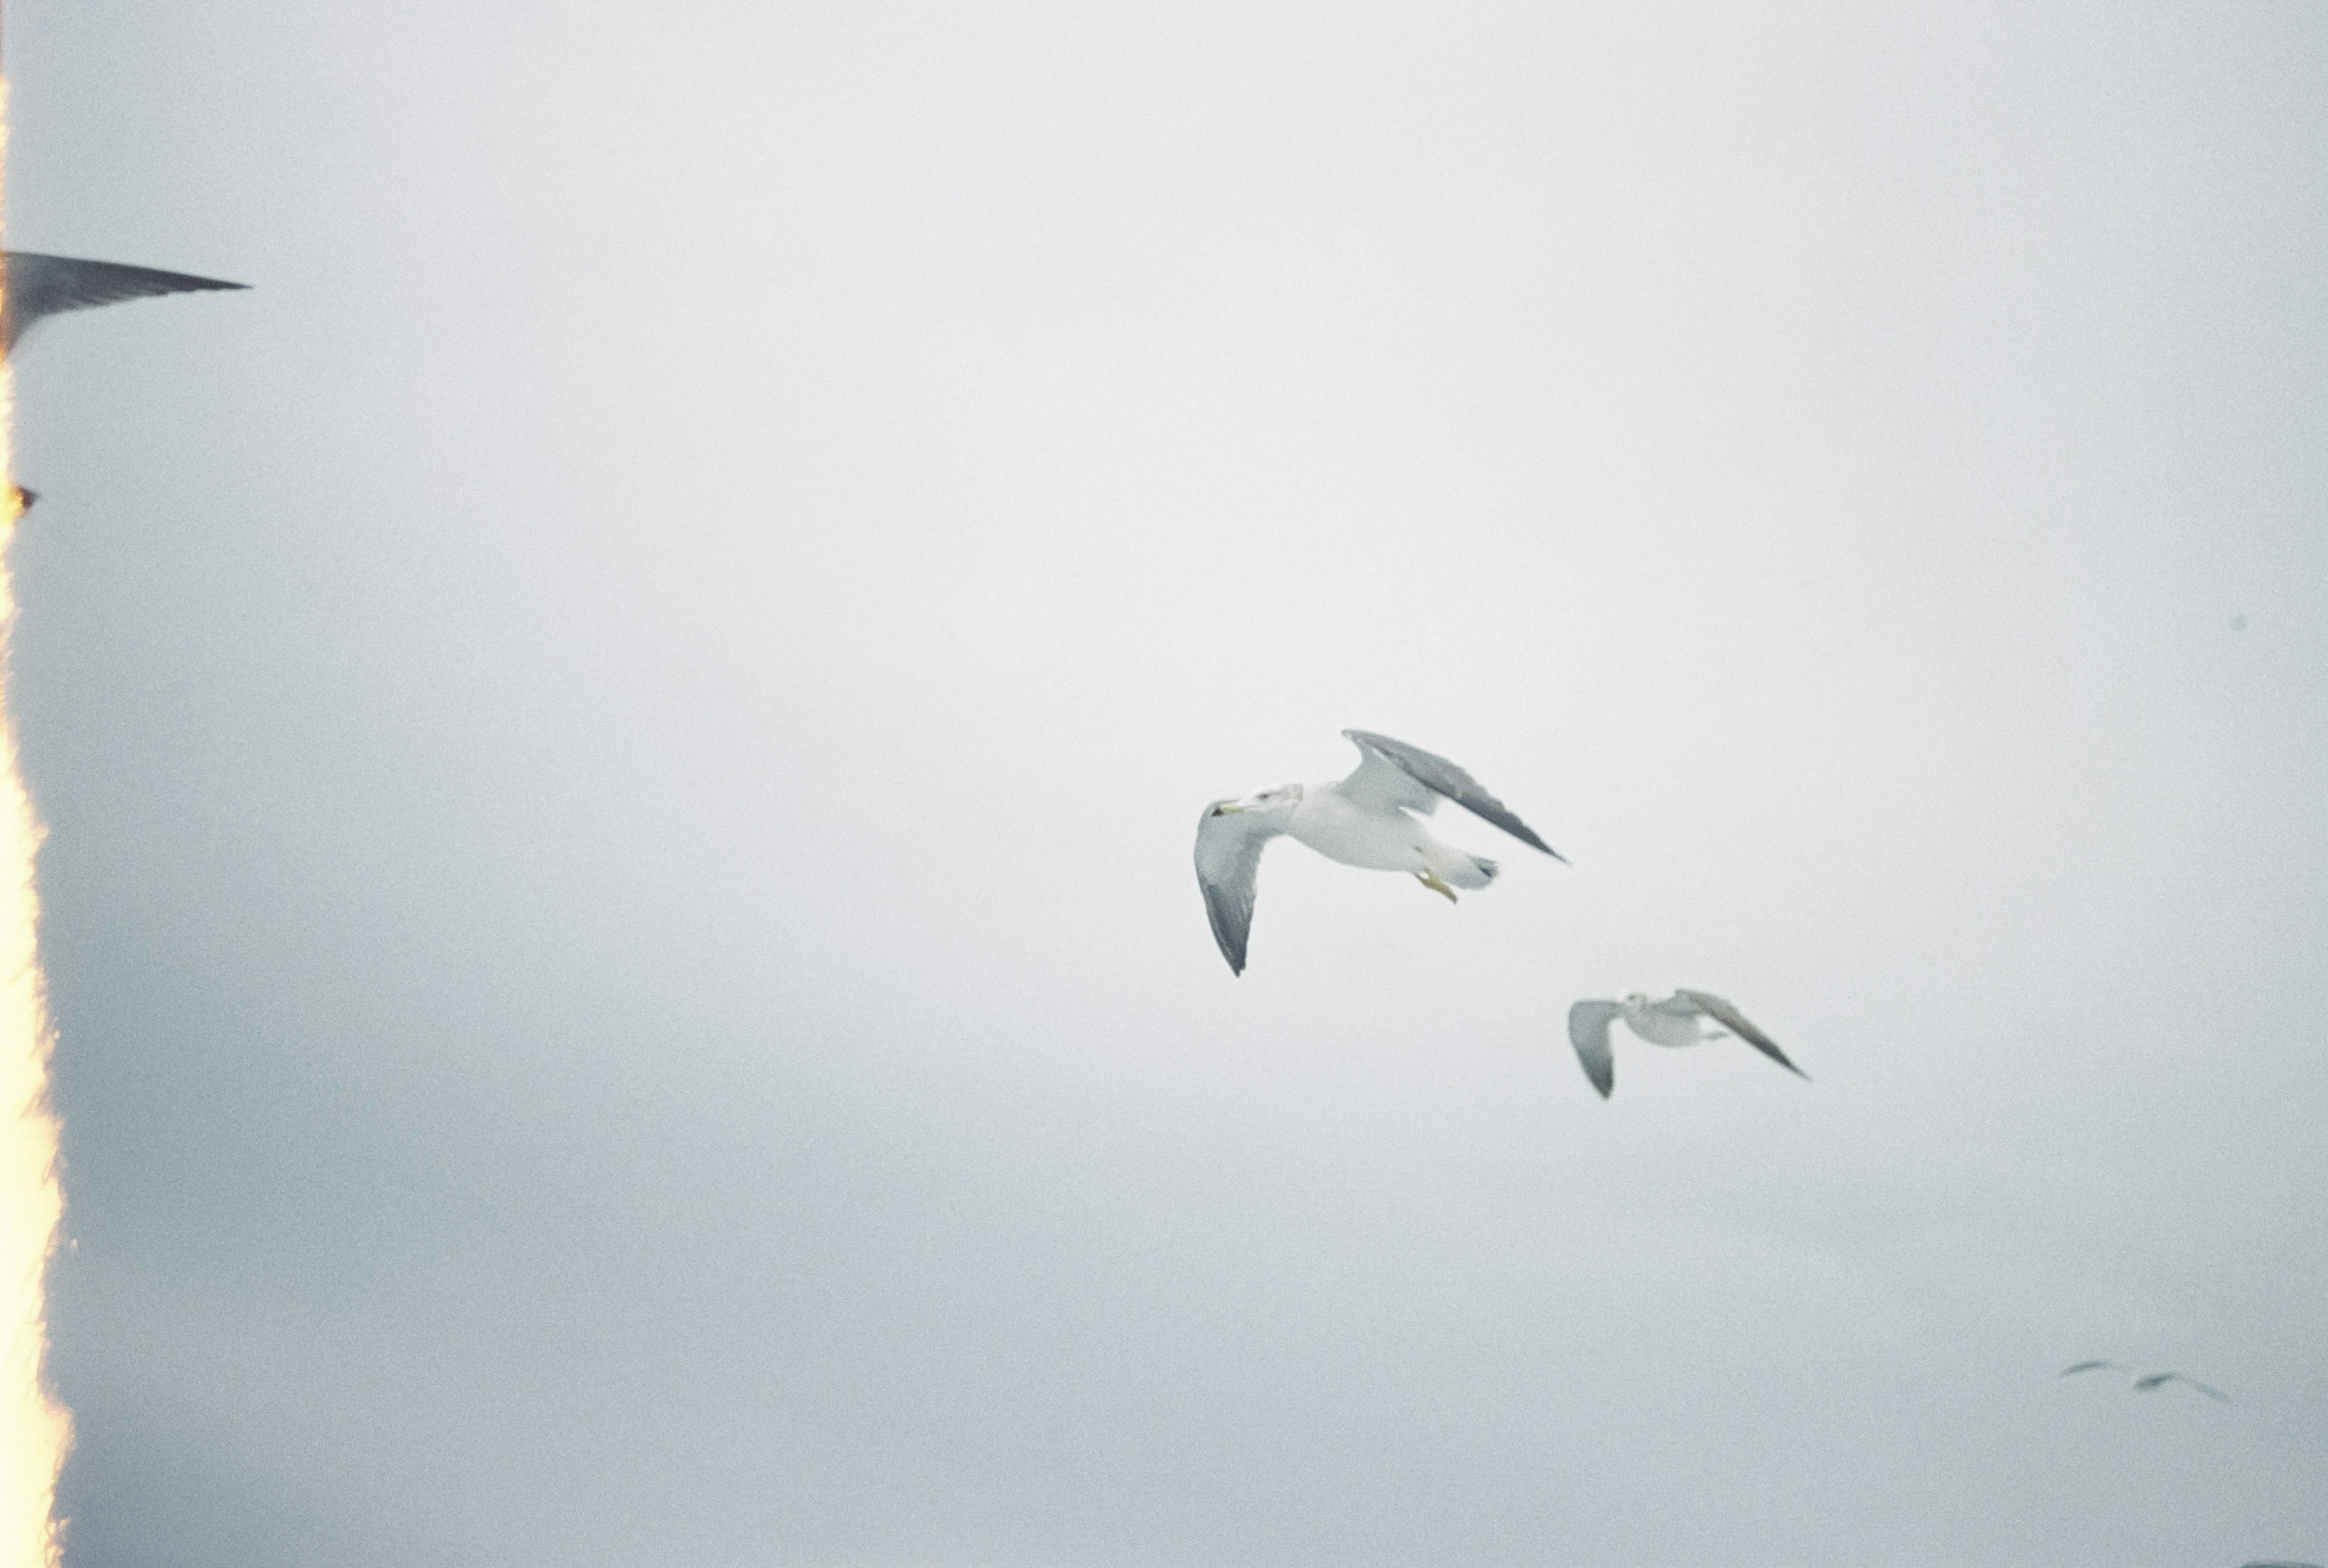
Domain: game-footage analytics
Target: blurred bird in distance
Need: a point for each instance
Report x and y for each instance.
(1677, 1020)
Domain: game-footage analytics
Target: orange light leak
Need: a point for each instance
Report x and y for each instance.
(35, 1430)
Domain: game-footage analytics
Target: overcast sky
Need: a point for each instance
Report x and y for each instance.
(622, 737)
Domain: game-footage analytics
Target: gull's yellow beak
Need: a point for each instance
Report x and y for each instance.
(1226, 808)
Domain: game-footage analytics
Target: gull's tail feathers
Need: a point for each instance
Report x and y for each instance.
(1467, 872)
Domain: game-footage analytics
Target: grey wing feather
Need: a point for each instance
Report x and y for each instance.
(1737, 1024)
(2089, 1366)
(1228, 869)
(44, 285)
(1438, 774)
(1384, 786)
(1588, 1031)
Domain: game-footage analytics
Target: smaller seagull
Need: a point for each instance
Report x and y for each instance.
(1677, 1020)
(2157, 1380)
(2094, 1367)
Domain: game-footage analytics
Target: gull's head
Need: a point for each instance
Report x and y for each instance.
(1635, 1000)
(1277, 802)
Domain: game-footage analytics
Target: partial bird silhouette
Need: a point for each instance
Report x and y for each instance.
(2093, 1367)
(40, 286)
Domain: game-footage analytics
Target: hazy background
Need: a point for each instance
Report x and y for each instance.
(622, 738)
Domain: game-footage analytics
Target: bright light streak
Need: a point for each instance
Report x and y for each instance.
(35, 1430)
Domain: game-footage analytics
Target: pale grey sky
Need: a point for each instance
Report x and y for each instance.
(622, 737)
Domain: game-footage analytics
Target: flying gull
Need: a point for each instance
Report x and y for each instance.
(2158, 1380)
(2149, 1382)
(1678, 1020)
(2094, 1367)
(1367, 820)
(40, 286)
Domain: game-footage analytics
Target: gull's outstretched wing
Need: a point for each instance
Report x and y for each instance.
(2159, 1379)
(1229, 864)
(2091, 1367)
(1588, 1031)
(44, 285)
(1392, 769)
(1737, 1024)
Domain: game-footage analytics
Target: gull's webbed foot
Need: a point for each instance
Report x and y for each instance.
(1431, 880)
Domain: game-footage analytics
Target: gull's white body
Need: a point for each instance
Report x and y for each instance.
(1373, 839)
(1371, 820)
(1663, 1023)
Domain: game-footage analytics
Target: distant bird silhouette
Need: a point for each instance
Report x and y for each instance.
(40, 286)
(2149, 1382)
(2158, 1380)
(1678, 1020)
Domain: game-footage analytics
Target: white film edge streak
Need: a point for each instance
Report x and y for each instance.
(35, 1430)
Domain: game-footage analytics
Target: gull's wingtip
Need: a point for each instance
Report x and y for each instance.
(1232, 952)
(1588, 1030)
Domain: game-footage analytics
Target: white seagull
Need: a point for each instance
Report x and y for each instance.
(1367, 820)
(1678, 1020)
